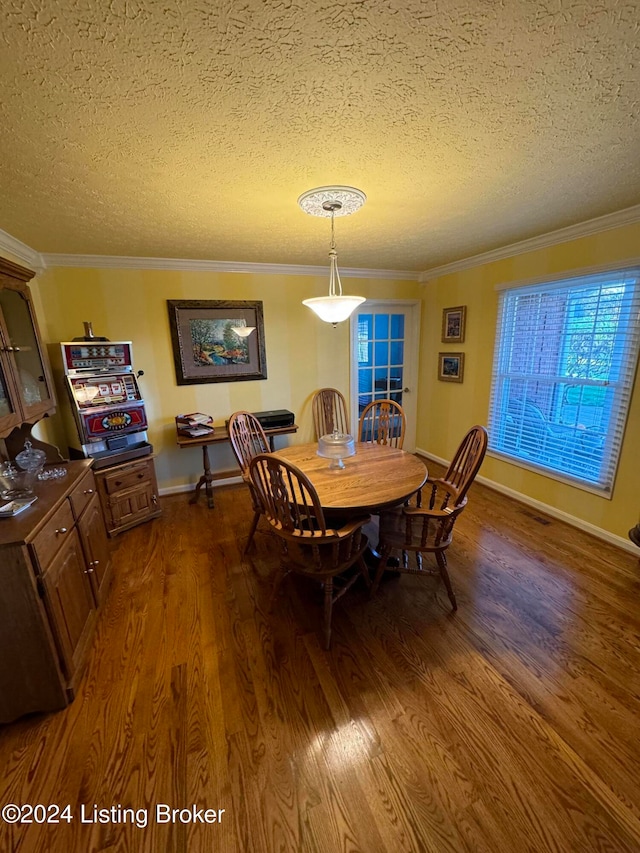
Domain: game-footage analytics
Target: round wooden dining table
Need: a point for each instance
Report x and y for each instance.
(377, 477)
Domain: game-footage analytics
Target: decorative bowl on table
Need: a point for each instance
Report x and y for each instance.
(336, 446)
(15, 483)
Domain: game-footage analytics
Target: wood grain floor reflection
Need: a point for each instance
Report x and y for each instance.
(512, 725)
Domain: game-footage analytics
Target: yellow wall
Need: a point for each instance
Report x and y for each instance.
(303, 353)
(447, 409)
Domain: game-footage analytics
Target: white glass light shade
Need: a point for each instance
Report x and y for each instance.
(243, 331)
(334, 309)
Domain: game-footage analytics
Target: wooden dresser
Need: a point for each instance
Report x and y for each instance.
(54, 571)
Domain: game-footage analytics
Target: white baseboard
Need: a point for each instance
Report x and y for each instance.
(189, 487)
(587, 527)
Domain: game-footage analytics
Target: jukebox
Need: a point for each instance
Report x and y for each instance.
(106, 402)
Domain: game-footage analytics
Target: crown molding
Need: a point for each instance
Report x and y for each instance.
(185, 264)
(21, 251)
(628, 216)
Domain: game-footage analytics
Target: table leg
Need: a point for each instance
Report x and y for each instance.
(205, 480)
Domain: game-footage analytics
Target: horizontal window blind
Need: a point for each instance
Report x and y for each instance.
(564, 364)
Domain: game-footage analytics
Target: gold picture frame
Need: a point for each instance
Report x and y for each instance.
(451, 366)
(453, 324)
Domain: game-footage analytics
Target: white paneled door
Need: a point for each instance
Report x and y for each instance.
(384, 358)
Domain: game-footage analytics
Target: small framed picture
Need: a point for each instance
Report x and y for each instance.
(453, 322)
(451, 366)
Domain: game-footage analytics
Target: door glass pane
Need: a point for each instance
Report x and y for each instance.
(365, 327)
(17, 316)
(382, 379)
(365, 353)
(382, 326)
(397, 326)
(365, 388)
(382, 352)
(395, 384)
(397, 352)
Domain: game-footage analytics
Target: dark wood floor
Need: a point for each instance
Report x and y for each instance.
(512, 725)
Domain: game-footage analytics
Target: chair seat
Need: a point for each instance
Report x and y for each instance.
(326, 559)
(399, 530)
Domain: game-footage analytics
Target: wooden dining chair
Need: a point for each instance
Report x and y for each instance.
(383, 422)
(308, 546)
(329, 409)
(429, 529)
(247, 440)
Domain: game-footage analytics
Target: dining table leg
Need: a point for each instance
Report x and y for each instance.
(205, 480)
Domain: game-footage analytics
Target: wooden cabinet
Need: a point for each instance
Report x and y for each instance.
(26, 386)
(128, 494)
(54, 571)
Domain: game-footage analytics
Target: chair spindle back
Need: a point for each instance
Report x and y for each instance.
(288, 498)
(329, 409)
(467, 461)
(383, 422)
(247, 438)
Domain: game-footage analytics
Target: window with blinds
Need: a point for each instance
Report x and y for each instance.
(564, 365)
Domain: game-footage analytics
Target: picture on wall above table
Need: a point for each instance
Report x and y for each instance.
(217, 341)
(453, 323)
(451, 366)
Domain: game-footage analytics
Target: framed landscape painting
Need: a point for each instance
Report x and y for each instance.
(217, 341)
(451, 366)
(453, 323)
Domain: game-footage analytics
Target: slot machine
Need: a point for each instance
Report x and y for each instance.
(106, 402)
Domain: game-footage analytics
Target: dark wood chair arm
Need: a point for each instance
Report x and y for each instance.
(421, 512)
(353, 525)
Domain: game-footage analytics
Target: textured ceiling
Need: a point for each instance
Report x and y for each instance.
(188, 130)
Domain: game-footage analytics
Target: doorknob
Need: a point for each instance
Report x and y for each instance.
(406, 390)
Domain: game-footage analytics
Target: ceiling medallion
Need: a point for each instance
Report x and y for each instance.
(336, 200)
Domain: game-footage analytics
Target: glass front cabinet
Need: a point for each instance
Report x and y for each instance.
(26, 386)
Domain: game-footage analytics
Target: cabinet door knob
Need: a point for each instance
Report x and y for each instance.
(96, 563)
(61, 530)
(88, 491)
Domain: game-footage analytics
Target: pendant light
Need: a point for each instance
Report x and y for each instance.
(331, 202)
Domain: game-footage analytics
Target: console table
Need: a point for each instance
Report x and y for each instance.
(220, 434)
